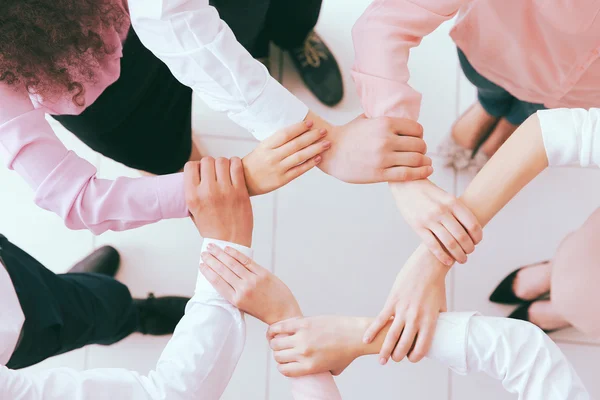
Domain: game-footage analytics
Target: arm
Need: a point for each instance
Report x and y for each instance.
(197, 362)
(67, 184)
(518, 353)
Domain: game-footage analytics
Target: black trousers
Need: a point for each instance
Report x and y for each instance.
(256, 23)
(64, 312)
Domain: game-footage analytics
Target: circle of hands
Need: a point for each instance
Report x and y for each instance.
(363, 151)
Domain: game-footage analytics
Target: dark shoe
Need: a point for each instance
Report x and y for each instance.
(522, 313)
(104, 260)
(504, 293)
(159, 316)
(319, 69)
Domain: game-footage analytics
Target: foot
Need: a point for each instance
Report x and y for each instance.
(543, 314)
(497, 137)
(159, 315)
(319, 69)
(532, 281)
(104, 260)
(472, 127)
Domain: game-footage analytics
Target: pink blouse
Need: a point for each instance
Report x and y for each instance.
(67, 184)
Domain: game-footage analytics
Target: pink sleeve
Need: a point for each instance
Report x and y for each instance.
(383, 37)
(67, 184)
(315, 387)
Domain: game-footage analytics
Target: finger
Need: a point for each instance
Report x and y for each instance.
(377, 325)
(405, 159)
(283, 136)
(459, 232)
(449, 242)
(292, 370)
(229, 262)
(407, 127)
(391, 340)
(243, 259)
(301, 169)
(207, 170)
(282, 342)
(404, 174)
(237, 173)
(217, 282)
(301, 142)
(285, 356)
(221, 270)
(408, 143)
(287, 327)
(405, 343)
(435, 247)
(469, 221)
(423, 341)
(305, 154)
(222, 171)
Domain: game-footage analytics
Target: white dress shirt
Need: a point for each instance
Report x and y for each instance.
(515, 352)
(571, 136)
(197, 363)
(202, 52)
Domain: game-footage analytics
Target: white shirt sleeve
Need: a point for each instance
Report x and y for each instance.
(202, 52)
(197, 362)
(518, 353)
(571, 136)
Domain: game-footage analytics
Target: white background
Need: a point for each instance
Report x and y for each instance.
(337, 246)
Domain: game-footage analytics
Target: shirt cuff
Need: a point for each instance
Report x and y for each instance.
(171, 196)
(450, 340)
(275, 109)
(563, 138)
(203, 286)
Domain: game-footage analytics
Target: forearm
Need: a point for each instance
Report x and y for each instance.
(514, 165)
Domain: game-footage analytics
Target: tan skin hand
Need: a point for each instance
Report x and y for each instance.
(284, 157)
(371, 150)
(218, 200)
(313, 345)
(248, 286)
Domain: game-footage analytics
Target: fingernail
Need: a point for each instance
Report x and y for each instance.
(323, 132)
(211, 246)
(204, 254)
(308, 124)
(228, 249)
(382, 361)
(318, 159)
(326, 145)
(366, 339)
(448, 262)
(429, 170)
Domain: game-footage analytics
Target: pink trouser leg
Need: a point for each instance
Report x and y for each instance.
(575, 286)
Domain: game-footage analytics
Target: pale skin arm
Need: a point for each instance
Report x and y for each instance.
(418, 294)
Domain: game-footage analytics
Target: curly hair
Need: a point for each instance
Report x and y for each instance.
(53, 47)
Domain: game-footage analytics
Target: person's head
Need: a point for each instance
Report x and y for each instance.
(52, 47)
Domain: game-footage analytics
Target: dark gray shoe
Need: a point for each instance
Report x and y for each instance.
(159, 315)
(319, 69)
(104, 260)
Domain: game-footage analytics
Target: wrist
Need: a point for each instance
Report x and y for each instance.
(292, 310)
(433, 266)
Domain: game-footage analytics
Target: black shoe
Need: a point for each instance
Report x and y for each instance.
(522, 313)
(159, 316)
(319, 69)
(504, 293)
(104, 260)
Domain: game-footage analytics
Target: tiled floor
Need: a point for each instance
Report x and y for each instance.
(337, 246)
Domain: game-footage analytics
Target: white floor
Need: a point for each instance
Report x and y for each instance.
(307, 229)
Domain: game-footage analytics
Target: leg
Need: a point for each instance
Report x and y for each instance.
(247, 19)
(64, 312)
(575, 277)
(290, 22)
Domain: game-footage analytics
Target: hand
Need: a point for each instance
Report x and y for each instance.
(306, 346)
(248, 286)
(283, 157)
(416, 299)
(377, 150)
(218, 200)
(444, 224)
